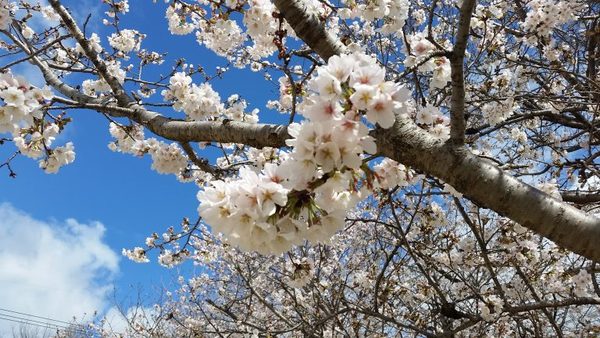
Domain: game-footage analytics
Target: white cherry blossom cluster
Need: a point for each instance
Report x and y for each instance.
(285, 95)
(168, 259)
(395, 19)
(22, 116)
(129, 139)
(545, 15)
(372, 10)
(360, 76)
(93, 41)
(581, 283)
(61, 57)
(49, 14)
(497, 112)
(137, 255)
(243, 209)
(492, 308)
(220, 35)
(392, 174)
(504, 85)
(307, 195)
(58, 157)
(439, 66)
(223, 35)
(392, 12)
(125, 40)
(251, 156)
(197, 102)
(118, 7)
(167, 158)
(260, 157)
(261, 27)
(22, 103)
(330, 145)
(235, 109)
(95, 87)
(33, 145)
(27, 32)
(518, 135)
(301, 272)
(177, 18)
(432, 119)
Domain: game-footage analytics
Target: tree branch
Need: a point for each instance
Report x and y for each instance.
(256, 135)
(552, 304)
(580, 197)
(69, 22)
(201, 163)
(309, 28)
(457, 100)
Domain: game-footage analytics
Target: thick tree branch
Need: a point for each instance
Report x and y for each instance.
(309, 28)
(580, 197)
(457, 58)
(486, 184)
(256, 135)
(201, 163)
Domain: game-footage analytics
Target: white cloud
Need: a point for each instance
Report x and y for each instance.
(51, 269)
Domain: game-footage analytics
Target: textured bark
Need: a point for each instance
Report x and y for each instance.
(457, 101)
(256, 135)
(309, 28)
(479, 180)
(580, 197)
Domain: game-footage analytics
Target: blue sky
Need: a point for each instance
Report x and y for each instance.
(119, 191)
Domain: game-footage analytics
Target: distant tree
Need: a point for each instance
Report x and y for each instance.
(399, 269)
(463, 134)
(24, 331)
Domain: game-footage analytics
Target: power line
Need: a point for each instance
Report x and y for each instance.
(25, 321)
(41, 317)
(31, 321)
(47, 323)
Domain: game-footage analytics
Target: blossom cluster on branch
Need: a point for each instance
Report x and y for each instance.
(306, 195)
(23, 115)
